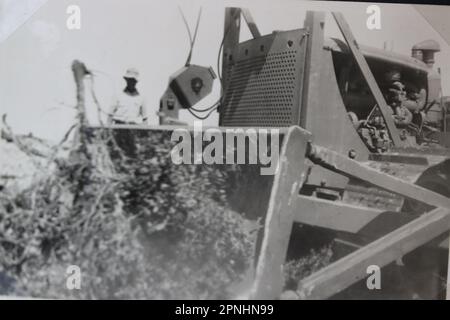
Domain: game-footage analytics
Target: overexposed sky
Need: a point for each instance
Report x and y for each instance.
(36, 84)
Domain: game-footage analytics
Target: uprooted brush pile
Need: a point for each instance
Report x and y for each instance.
(137, 227)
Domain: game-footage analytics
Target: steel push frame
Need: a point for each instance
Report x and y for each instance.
(287, 205)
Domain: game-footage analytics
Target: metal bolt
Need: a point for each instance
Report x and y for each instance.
(352, 154)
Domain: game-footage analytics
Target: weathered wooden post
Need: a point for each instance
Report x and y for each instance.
(79, 72)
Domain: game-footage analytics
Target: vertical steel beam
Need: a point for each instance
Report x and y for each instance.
(314, 25)
(231, 31)
(283, 206)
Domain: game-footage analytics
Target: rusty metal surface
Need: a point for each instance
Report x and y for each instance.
(356, 170)
(363, 193)
(334, 215)
(407, 167)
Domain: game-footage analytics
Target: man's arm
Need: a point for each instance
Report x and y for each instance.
(144, 112)
(111, 112)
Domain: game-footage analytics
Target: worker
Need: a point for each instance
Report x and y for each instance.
(129, 107)
(396, 97)
(415, 98)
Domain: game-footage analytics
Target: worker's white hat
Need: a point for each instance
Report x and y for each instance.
(132, 73)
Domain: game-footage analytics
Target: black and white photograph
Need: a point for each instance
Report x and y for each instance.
(232, 150)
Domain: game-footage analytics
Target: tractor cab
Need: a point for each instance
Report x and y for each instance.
(408, 83)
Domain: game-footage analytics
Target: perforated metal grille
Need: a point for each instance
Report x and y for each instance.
(263, 90)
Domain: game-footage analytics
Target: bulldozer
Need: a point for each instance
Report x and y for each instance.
(347, 166)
